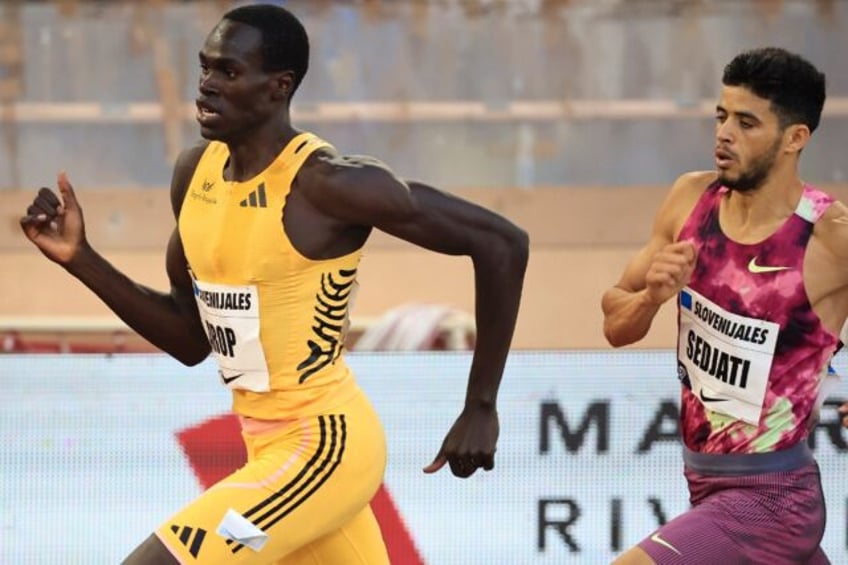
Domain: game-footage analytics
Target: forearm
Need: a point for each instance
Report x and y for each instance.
(499, 278)
(156, 316)
(627, 315)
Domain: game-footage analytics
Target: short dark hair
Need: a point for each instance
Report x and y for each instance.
(285, 44)
(795, 88)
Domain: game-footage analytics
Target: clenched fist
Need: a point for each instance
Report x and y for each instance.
(670, 270)
(56, 227)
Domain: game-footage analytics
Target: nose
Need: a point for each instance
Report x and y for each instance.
(724, 131)
(206, 84)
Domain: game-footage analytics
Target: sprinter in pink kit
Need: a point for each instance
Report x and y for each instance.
(758, 262)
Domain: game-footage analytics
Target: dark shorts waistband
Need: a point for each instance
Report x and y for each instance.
(748, 463)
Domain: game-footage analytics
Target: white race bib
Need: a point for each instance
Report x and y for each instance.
(230, 316)
(726, 357)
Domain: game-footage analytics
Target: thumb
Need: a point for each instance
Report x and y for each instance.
(69, 198)
(691, 250)
(437, 463)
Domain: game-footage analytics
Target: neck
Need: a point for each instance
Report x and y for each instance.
(759, 211)
(255, 150)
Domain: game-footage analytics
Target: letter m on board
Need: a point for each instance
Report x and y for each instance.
(552, 417)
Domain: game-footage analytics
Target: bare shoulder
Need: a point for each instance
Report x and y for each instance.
(354, 189)
(680, 201)
(328, 165)
(689, 187)
(832, 230)
(329, 173)
(184, 168)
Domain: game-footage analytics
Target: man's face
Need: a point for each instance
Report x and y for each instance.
(749, 139)
(235, 93)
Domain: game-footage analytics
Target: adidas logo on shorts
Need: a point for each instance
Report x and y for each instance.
(192, 542)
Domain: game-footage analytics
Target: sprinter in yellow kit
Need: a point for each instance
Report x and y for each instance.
(270, 225)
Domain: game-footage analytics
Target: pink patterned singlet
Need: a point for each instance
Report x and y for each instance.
(751, 351)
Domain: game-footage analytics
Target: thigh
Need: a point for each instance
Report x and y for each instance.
(696, 537)
(359, 542)
(300, 484)
(818, 558)
(775, 518)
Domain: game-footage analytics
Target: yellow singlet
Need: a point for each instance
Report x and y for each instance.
(275, 319)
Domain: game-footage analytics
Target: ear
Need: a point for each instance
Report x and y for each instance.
(796, 137)
(282, 85)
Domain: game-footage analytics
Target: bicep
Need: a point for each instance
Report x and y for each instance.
(663, 232)
(178, 274)
(183, 172)
(175, 261)
(373, 196)
(442, 222)
(633, 277)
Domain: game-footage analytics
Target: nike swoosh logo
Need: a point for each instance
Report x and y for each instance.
(705, 398)
(228, 380)
(657, 539)
(757, 269)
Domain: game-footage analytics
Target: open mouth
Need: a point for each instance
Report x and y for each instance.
(206, 113)
(723, 158)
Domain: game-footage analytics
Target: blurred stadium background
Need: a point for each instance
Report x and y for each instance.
(571, 117)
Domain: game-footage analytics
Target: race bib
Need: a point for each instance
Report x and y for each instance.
(726, 358)
(230, 316)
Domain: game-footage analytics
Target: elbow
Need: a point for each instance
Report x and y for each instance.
(522, 244)
(622, 326)
(517, 244)
(192, 354)
(502, 250)
(612, 337)
(191, 360)
(611, 329)
(619, 336)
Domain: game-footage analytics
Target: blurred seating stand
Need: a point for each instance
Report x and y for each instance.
(529, 92)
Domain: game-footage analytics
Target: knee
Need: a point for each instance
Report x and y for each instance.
(151, 552)
(634, 556)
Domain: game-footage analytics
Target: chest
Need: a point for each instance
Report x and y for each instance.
(764, 280)
(234, 232)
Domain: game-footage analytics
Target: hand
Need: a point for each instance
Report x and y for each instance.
(56, 228)
(670, 270)
(470, 443)
(843, 411)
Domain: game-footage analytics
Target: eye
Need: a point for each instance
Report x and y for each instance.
(745, 125)
(204, 69)
(231, 74)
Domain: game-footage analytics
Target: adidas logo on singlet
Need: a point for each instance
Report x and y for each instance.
(256, 199)
(193, 543)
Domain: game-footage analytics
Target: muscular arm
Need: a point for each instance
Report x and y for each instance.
(628, 309)
(826, 268)
(499, 252)
(364, 192)
(167, 320)
(657, 272)
(361, 192)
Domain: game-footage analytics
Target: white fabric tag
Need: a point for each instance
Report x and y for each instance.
(236, 527)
